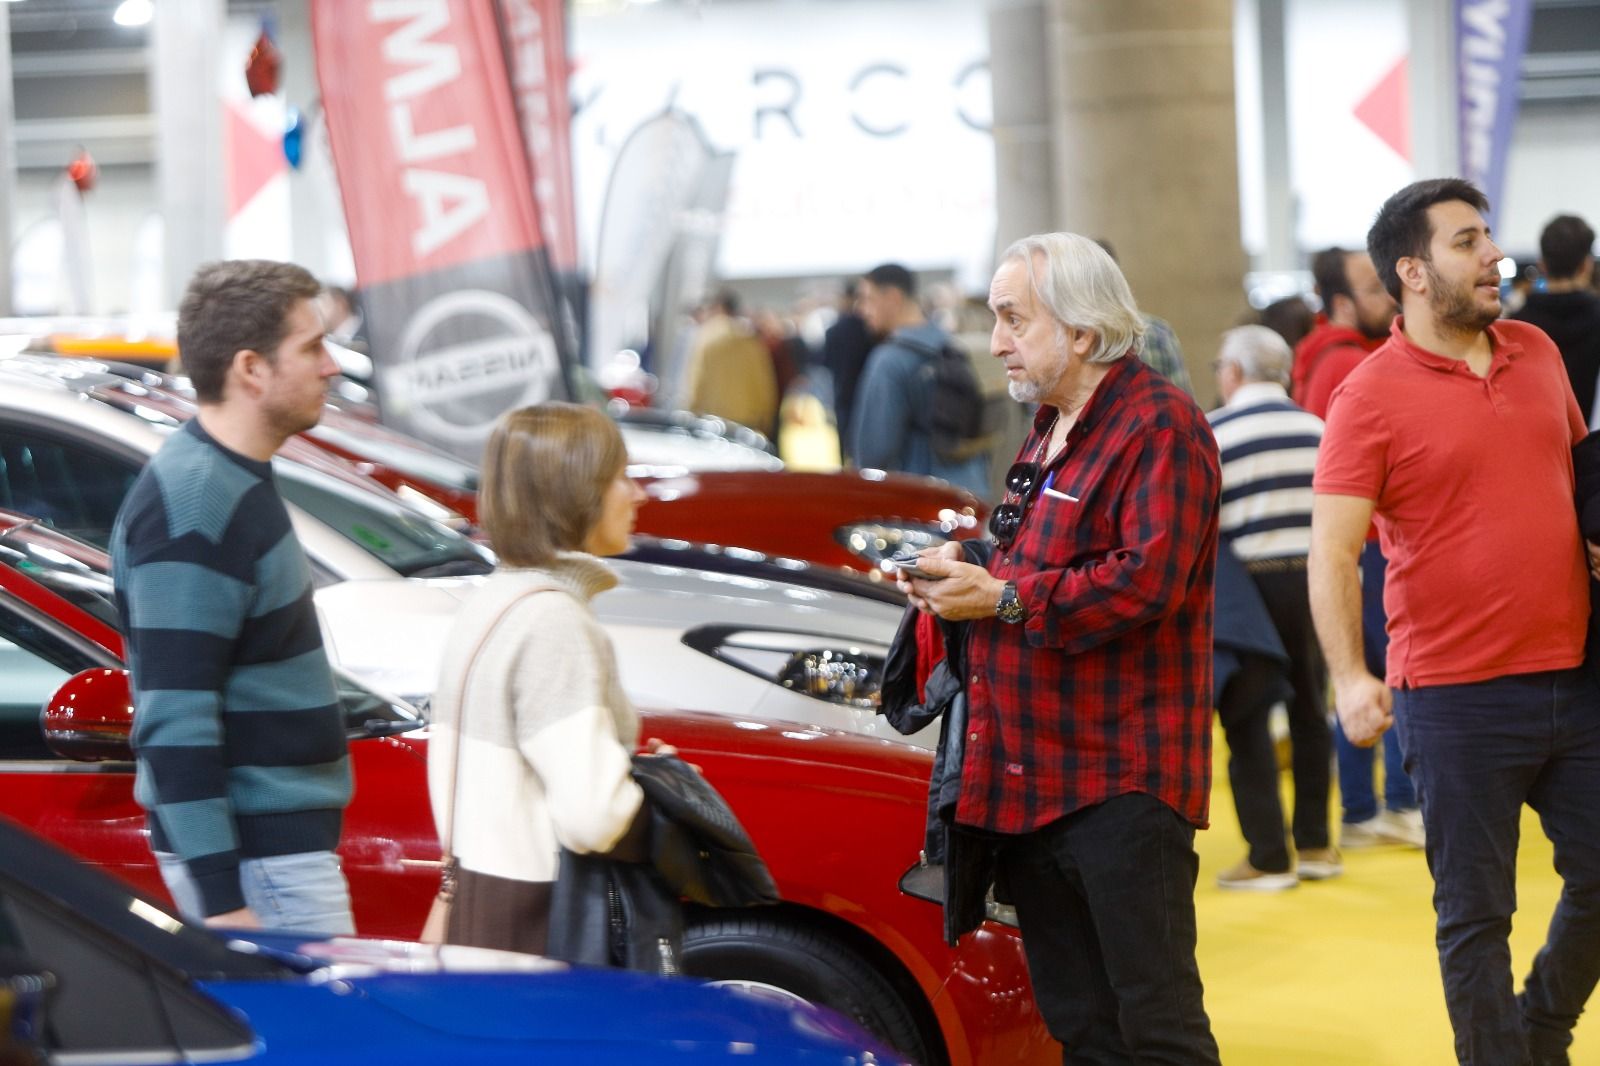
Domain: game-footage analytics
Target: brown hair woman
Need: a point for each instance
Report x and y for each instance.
(532, 735)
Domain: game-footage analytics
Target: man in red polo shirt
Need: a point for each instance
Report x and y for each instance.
(1457, 436)
(1088, 736)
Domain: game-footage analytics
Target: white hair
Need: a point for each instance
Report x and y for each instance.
(1082, 288)
(1260, 353)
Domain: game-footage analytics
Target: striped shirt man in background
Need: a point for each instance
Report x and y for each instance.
(240, 746)
(1268, 449)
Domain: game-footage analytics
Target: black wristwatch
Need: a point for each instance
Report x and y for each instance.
(1009, 609)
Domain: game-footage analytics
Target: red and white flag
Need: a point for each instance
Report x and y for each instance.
(451, 261)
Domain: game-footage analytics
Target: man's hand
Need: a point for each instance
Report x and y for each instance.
(1594, 558)
(243, 918)
(1365, 707)
(962, 591)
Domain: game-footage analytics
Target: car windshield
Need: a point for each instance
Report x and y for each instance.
(71, 569)
(400, 455)
(43, 889)
(408, 543)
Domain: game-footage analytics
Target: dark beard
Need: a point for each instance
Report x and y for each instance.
(1454, 309)
(1375, 331)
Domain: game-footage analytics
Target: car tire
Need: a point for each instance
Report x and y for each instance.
(792, 957)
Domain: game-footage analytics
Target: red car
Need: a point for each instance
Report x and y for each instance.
(838, 817)
(839, 519)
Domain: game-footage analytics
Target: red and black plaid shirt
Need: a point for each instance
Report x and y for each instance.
(1105, 689)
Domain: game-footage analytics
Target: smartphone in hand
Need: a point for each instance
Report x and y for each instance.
(908, 565)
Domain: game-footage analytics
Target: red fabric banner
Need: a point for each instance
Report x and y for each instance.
(536, 55)
(439, 199)
(425, 134)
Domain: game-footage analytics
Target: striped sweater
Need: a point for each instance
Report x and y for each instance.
(237, 732)
(1269, 454)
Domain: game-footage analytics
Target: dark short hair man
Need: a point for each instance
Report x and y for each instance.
(1357, 312)
(888, 428)
(1569, 309)
(242, 763)
(1355, 317)
(1457, 434)
(1088, 740)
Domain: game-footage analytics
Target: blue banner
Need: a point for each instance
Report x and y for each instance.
(1491, 37)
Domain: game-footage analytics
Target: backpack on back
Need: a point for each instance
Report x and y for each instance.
(955, 415)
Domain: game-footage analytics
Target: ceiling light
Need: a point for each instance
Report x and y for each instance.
(134, 13)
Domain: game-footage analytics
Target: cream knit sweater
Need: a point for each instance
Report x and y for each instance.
(548, 733)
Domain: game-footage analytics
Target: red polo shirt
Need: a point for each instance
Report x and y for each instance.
(1473, 483)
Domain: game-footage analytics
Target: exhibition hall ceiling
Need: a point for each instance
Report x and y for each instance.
(81, 79)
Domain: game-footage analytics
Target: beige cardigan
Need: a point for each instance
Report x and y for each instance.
(549, 734)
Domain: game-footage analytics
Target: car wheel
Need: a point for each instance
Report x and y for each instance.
(782, 957)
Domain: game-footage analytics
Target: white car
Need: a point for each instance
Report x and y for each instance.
(390, 580)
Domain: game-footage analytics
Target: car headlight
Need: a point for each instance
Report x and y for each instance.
(926, 881)
(876, 540)
(814, 664)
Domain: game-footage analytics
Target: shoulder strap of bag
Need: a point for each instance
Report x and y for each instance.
(448, 831)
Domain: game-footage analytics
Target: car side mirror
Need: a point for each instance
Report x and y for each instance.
(90, 717)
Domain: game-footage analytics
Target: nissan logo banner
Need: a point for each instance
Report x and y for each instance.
(439, 200)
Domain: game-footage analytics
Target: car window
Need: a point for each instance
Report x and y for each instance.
(67, 486)
(34, 662)
(110, 998)
(63, 566)
(407, 542)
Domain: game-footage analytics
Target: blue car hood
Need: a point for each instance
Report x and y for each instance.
(398, 1004)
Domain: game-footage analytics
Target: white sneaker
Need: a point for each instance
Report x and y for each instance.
(1404, 827)
(1386, 827)
(1247, 878)
(1318, 864)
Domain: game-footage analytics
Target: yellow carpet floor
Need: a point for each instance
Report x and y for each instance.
(1343, 972)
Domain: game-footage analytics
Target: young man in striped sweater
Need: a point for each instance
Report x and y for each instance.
(242, 763)
(1269, 454)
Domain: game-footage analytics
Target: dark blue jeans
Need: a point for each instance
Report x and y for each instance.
(1477, 753)
(1105, 899)
(1356, 764)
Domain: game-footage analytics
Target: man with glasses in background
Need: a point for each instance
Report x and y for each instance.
(1088, 741)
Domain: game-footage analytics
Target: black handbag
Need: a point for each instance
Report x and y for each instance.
(605, 912)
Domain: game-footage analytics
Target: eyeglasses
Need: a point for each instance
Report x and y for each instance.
(1006, 520)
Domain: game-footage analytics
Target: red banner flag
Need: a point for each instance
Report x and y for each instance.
(438, 197)
(536, 49)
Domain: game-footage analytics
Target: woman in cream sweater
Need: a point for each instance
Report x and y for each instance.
(529, 688)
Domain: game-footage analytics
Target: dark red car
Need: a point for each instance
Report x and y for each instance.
(838, 817)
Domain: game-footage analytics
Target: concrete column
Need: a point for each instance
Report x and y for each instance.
(8, 159)
(189, 151)
(1025, 183)
(1435, 133)
(1145, 154)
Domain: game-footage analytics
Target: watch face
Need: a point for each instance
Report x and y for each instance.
(1009, 609)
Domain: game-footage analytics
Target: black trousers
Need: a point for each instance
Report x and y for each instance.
(1105, 899)
(1478, 752)
(1252, 759)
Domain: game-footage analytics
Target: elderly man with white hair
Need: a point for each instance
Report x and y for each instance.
(1087, 740)
(1269, 454)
